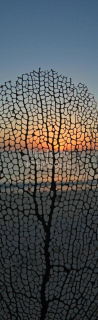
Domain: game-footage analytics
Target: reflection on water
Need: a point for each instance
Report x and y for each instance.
(70, 169)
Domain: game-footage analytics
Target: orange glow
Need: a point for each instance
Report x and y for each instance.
(40, 139)
(67, 146)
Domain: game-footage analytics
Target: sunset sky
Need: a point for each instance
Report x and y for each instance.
(15, 136)
(62, 35)
(59, 35)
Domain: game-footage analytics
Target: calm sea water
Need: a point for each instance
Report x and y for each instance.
(70, 168)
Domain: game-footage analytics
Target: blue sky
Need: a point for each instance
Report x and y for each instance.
(50, 34)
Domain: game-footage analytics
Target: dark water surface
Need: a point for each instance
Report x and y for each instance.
(49, 268)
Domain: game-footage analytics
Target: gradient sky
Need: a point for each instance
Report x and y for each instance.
(50, 34)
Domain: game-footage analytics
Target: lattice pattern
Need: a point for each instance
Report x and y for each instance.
(49, 199)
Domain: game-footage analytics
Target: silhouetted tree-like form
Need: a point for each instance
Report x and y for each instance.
(49, 199)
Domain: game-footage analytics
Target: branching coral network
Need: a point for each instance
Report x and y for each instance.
(49, 199)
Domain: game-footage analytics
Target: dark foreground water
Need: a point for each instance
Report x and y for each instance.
(49, 255)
